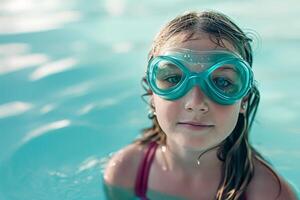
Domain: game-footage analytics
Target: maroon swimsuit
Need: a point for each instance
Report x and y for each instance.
(141, 182)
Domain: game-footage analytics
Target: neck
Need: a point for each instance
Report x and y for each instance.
(176, 157)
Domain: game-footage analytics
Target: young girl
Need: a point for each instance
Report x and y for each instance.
(203, 100)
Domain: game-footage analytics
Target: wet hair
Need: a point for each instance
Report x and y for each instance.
(235, 152)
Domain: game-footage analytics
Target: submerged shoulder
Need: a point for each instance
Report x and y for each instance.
(265, 186)
(122, 168)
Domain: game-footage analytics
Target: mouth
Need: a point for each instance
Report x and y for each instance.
(195, 125)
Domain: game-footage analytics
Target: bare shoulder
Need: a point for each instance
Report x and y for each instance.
(122, 168)
(265, 186)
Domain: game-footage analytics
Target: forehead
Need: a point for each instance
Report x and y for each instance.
(198, 42)
(199, 60)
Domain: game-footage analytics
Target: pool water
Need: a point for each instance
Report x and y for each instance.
(70, 87)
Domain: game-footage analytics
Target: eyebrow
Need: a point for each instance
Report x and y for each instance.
(165, 70)
(226, 68)
(164, 66)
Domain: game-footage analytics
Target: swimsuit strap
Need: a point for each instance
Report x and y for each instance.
(244, 196)
(141, 182)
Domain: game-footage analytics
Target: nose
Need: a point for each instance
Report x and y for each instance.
(195, 101)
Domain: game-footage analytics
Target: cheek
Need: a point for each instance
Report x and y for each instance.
(166, 112)
(227, 117)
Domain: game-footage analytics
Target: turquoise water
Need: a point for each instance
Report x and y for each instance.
(70, 87)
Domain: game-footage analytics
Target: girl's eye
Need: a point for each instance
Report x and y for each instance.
(222, 82)
(173, 79)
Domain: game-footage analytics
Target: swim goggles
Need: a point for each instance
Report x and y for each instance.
(222, 75)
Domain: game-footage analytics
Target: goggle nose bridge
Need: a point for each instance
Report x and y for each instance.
(196, 79)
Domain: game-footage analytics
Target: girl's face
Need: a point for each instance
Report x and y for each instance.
(194, 121)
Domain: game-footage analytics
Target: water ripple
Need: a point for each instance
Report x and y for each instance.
(46, 128)
(14, 108)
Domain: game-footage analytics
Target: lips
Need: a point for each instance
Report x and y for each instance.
(192, 123)
(197, 126)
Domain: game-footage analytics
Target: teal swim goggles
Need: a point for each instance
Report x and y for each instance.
(222, 75)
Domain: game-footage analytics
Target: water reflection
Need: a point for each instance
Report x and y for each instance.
(53, 68)
(48, 168)
(17, 56)
(105, 103)
(14, 109)
(47, 108)
(45, 128)
(40, 16)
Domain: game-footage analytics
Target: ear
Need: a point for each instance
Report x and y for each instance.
(151, 101)
(244, 105)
